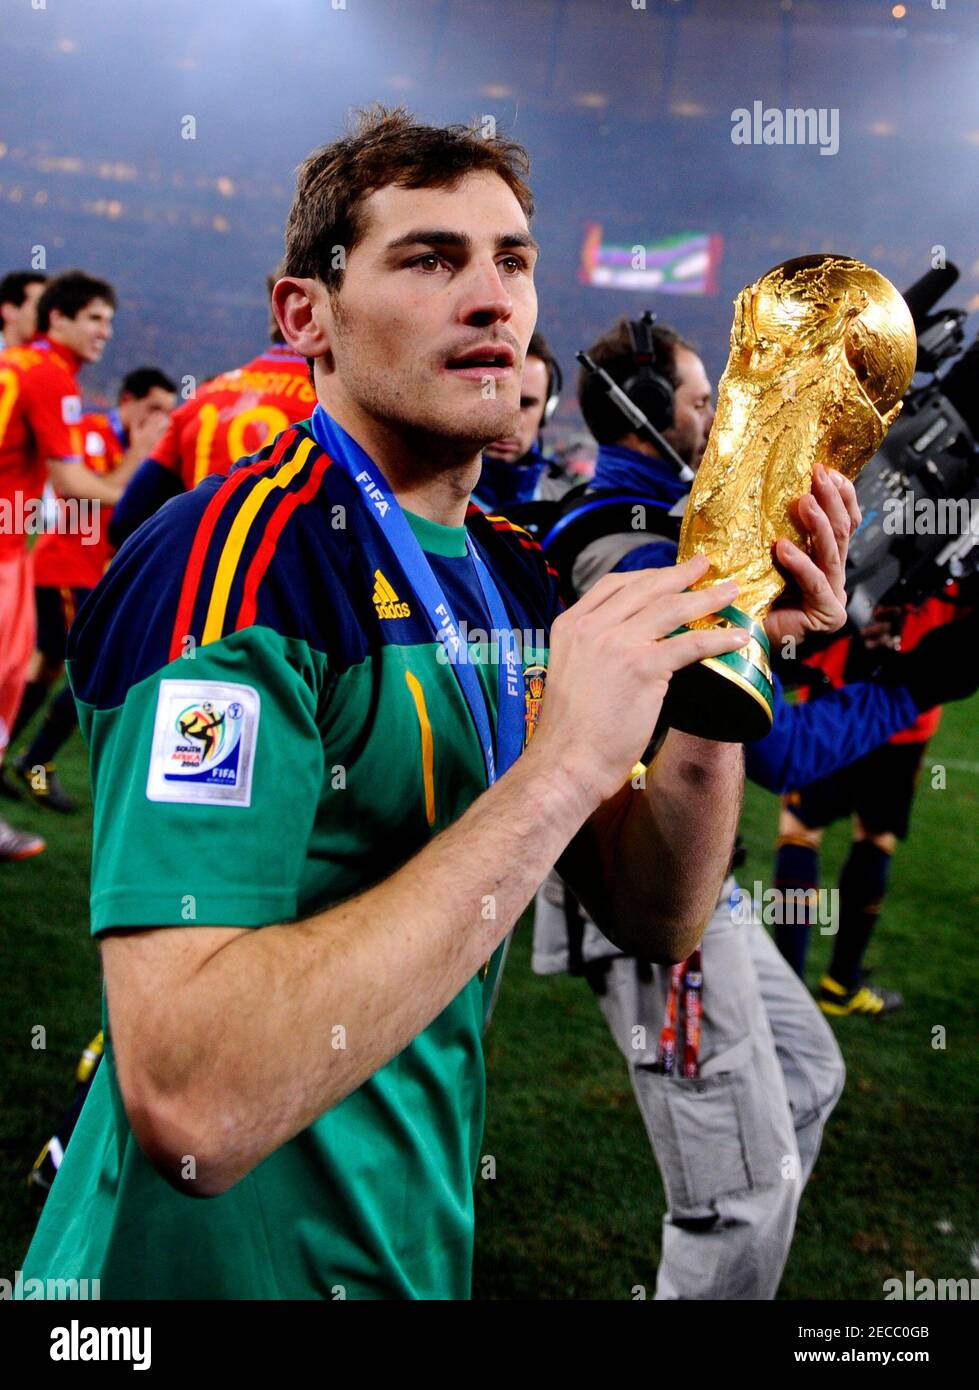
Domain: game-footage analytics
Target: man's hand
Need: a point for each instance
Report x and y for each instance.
(817, 600)
(144, 437)
(611, 659)
(884, 630)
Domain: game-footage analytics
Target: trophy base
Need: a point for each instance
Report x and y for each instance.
(727, 698)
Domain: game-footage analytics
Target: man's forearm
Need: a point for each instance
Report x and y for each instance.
(75, 480)
(251, 1056)
(650, 863)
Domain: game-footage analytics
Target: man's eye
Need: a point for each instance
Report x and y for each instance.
(430, 261)
(516, 263)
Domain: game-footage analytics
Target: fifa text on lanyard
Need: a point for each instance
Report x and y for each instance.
(386, 511)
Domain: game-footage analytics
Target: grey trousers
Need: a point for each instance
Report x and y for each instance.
(735, 1146)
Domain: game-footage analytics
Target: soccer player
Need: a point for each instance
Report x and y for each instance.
(19, 293)
(67, 566)
(315, 819)
(231, 415)
(878, 791)
(41, 438)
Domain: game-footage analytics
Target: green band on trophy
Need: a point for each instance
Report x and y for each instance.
(738, 619)
(728, 697)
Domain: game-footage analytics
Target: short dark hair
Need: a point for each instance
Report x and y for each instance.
(613, 351)
(70, 293)
(386, 147)
(140, 383)
(13, 287)
(538, 347)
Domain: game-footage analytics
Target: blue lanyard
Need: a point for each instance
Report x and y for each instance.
(383, 506)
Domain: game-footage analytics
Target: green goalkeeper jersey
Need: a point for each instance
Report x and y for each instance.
(271, 730)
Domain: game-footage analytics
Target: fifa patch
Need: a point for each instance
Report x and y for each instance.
(71, 409)
(94, 444)
(204, 743)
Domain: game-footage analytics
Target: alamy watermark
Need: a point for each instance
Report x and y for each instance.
(931, 516)
(475, 646)
(20, 1289)
(796, 125)
(778, 907)
(925, 1290)
(78, 1343)
(23, 515)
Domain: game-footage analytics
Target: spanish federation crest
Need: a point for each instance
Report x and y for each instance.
(534, 679)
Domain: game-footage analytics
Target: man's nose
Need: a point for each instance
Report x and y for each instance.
(485, 297)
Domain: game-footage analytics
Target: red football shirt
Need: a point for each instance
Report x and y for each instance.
(235, 414)
(72, 561)
(40, 419)
(915, 623)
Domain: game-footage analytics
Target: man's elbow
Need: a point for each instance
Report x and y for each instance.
(677, 942)
(662, 940)
(668, 942)
(186, 1147)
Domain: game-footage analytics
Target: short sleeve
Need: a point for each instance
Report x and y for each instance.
(206, 780)
(54, 412)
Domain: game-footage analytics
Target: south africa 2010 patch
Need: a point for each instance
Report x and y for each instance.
(204, 743)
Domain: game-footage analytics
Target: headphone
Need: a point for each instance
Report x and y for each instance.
(555, 383)
(649, 389)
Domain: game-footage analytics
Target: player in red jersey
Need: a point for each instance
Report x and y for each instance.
(234, 414)
(878, 791)
(19, 293)
(67, 566)
(41, 438)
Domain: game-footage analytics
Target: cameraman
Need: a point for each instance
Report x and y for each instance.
(737, 1134)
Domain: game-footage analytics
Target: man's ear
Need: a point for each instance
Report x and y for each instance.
(293, 301)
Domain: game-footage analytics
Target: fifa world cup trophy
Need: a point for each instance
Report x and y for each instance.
(822, 350)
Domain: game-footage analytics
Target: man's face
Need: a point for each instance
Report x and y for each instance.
(435, 312)
(20, 321)
(88, 332)
(693, 409)
(154, 407)
(533, 399)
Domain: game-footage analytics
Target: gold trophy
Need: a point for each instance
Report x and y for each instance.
(822, 350)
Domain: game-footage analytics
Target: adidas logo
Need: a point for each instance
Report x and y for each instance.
(386, 601)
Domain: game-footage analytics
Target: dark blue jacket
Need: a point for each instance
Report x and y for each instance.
(503, 485)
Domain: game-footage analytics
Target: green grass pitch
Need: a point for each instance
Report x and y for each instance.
(575, 1205)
